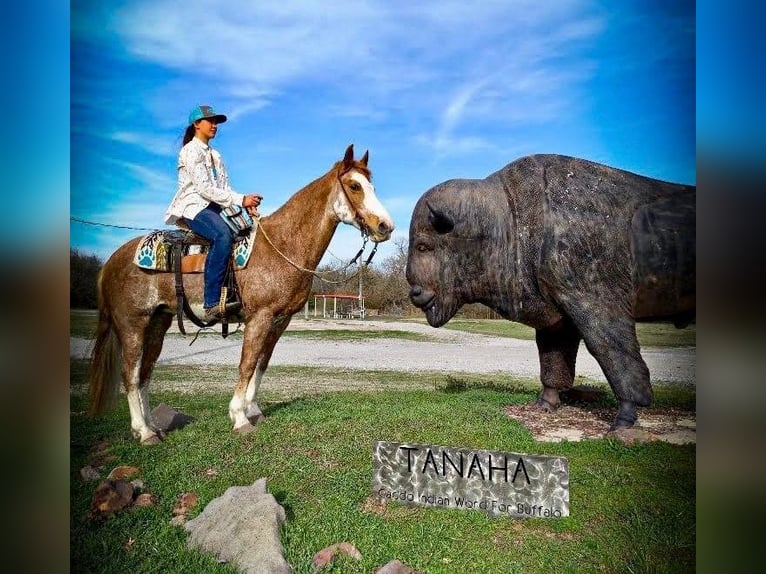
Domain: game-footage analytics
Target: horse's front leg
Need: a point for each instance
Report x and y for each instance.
(252, 410)
(255, 337)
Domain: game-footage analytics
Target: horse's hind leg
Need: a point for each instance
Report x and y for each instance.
(153, 339)
(140, 350)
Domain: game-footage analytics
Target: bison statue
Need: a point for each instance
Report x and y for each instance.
(577, 250)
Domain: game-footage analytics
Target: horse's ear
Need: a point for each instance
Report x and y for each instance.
(365, 157)
(348, 159)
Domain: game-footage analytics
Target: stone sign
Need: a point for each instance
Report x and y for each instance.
(498, 483)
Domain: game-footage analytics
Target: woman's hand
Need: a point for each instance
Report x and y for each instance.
(251, 203)
(252, 200)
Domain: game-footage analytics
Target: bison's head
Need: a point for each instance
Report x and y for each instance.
(453, 228)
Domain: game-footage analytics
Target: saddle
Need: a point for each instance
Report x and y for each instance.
(182, 251)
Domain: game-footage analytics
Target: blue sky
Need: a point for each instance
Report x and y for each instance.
(434, 90)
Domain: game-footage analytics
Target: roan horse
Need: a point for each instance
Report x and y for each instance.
(136, 306)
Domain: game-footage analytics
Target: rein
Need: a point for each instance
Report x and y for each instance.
(314, 272)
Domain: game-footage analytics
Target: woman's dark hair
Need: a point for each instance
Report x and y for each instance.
(188, 135)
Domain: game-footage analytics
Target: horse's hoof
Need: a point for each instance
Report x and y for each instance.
(151, 440)
(256, 418)
(246, 428)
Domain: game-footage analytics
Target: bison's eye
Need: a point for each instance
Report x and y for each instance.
(423, 246)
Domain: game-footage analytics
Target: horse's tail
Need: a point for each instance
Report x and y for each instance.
(106, 359)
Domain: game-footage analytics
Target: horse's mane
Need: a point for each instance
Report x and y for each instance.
(334, 171)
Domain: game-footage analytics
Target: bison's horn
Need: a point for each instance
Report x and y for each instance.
(439, 220)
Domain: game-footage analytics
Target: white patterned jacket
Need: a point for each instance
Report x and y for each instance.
(202, 179)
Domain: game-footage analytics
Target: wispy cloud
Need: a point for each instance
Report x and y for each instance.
(149, 142)
(478, 62)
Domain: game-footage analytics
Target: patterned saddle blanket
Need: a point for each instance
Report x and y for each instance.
(154, 251)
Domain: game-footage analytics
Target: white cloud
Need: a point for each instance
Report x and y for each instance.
(446, 64)
(158, 145)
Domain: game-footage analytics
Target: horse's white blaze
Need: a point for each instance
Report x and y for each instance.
(371, 203)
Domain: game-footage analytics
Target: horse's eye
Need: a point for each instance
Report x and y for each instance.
(355, 186)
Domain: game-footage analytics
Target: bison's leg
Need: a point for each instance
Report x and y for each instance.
(611, 339)
(252, 410)
(557, 347)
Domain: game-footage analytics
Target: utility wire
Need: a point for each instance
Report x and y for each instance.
(85, 221)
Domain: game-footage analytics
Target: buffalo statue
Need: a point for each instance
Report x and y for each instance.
(572, 248)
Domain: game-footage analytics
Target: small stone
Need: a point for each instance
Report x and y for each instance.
(632, 435)
(186, 502)
(137, 484)
(179, 520)
(144, 500)
(167, 418)
(327, 555)
(395, 567)
(110, 496)
(88, 473)
(123, 472)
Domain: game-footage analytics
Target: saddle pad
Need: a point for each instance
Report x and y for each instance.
(154, 249)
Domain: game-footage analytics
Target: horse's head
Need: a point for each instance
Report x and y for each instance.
(356, 202)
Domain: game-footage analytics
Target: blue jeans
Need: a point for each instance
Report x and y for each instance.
(209, 224)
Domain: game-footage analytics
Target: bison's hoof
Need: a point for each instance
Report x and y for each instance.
(543, 405)
(151, 440)
(620, 424)
(244, 429)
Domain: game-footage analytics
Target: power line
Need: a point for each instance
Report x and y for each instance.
(85, 221)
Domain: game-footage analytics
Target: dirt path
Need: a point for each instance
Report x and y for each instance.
(445, 351)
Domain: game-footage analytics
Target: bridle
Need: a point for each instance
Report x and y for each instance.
(365, 236)
(363, 227)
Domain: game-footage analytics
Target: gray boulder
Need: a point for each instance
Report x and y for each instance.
(242, 527)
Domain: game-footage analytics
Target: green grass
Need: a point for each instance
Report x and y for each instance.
(632, 508)
(649, 334)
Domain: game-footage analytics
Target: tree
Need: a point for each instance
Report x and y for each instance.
(83, 278)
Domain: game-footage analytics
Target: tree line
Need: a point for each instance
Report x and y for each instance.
(384, 284)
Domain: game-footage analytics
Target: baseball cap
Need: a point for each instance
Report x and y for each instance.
(200, 112)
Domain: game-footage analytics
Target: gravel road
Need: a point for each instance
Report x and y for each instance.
(446, 351)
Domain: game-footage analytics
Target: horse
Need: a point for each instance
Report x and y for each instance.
(136, 306)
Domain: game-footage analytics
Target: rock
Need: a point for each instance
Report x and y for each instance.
(186, 502)
(632, 435)
(88, 473)
(124, 472)
(327, 555)
(167, 418)
(110, 496)
(395, 567)
(242, 526)
(145, 499)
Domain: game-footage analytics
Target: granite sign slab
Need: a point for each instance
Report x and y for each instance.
(498, 483)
